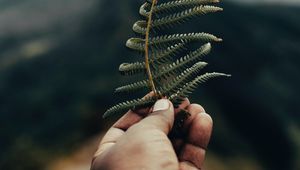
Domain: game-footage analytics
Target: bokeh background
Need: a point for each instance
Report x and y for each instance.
(58, 71)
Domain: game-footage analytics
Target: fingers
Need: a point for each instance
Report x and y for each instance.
(193, 154)
(119, 128)
(109, 140)
(194, 110)
(132, 117)
(187, 166)
(199, 126)
(185, 103)
(161, 118)
(200, 130)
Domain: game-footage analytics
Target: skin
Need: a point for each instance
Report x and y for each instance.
(139, 140)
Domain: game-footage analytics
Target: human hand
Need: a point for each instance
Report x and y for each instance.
(139, 140)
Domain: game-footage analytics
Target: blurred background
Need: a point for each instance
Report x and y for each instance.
(58, 71)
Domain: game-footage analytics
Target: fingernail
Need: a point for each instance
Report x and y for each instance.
(162, 104)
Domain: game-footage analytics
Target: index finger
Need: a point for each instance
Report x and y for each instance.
(119, 128)
(132, 116)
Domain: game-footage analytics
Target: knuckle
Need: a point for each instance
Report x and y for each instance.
(197, 108)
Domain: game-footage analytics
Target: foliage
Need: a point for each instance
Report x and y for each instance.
(167, 75)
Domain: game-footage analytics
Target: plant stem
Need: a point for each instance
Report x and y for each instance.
(147, 64)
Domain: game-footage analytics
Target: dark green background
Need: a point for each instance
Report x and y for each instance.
(58, 71)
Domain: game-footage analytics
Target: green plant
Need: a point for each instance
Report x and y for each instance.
(167, 75)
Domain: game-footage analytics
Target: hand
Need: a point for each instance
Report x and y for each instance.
(139, 140)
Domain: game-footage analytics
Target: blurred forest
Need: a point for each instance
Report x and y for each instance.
(58, 70)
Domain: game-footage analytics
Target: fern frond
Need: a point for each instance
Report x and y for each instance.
(204, 37)
(183, 62)
(191, 86)
(167, 76)
(188, 74)
(140, 27)
(173, 5)
(165, 56)
(139, 43)
(143, 9)
(177, 18)
(132, 87)
(132, 68)
(178, 4)
(169, 70)
(125, 106)
(158, 59)
(183, 16)
(176, 98)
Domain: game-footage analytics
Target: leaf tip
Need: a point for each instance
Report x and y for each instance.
(219, 39)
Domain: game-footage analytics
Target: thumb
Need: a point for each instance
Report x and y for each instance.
(162, 116)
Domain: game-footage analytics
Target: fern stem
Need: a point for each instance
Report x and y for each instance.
(147, 63)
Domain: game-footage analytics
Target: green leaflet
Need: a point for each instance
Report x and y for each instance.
(173, 5)
(132, 68)
(183, 62)
(179, 18)
(132, 87)
(125, 106)
(173, 65)
(174, 19)
(175, 84)
(161, 41)
(189, 87)
(203, 37)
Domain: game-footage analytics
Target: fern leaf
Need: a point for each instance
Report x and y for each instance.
(172, 5)
(132, 87)
(177, 18)
(125, 106)
(191, 86)
(205, 37)
(140, 27)
(132, 68)
(158, 58)
(169, 70)
(174, 85)
(166, 55)
(144, 9)
(175, 80)
(183, 62)
(139, 43)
